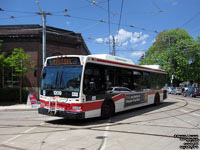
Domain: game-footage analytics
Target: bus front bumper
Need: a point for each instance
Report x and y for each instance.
(65, 114)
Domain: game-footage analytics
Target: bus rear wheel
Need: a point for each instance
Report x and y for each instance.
(107, 109)
(157, 100)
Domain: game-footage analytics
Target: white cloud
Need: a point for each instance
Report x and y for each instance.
(138, 36)
(153, 40)
(125, 44)
(143, 42)
(99, 40)
(124, 38)
(138, 53)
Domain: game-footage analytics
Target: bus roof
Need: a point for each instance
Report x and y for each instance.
(114, 60)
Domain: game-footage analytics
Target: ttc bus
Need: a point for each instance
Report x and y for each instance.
(79, 87)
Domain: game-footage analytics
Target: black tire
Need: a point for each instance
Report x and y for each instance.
(107, 109)
(157, 100)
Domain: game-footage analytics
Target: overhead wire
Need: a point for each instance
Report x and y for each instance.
(89, 19)
(109, 24)
(94, 3)
(191, 19)
(122, 3)
(76, 17)
(113, 23)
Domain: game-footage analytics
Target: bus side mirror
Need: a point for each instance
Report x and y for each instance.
(43, 75)
(35, 73)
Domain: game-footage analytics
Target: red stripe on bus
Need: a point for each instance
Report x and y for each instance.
(85, 106)
(92, 105)
(128, 65)
(59, 105)
(118, 97)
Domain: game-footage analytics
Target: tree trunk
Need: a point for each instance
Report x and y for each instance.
(20, 90)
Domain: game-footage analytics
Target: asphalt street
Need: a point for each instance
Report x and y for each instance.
(173, 125)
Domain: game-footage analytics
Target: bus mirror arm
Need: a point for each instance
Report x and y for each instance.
(43, 75)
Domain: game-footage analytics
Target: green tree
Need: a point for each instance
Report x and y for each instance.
(1, 42)
(1, 56)
(1, 59)
(20, 61)
(184, 50)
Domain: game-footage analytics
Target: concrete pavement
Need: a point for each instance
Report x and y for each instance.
(19, 107)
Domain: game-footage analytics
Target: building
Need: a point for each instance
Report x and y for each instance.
(29, 37)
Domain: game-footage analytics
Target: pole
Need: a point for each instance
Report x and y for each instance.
(113, 50)
(43, 13)
(20, 88)
(43, 37)
(170, 53)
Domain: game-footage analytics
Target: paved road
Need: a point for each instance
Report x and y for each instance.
(148, 128)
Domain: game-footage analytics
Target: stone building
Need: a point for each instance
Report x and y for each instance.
(29, 38)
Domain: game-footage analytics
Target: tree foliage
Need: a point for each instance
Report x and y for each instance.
(20, 63)
(1, 56)
(185, 54)
(19, 60)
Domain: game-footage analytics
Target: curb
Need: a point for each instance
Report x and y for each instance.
(22, 109)
(19, 108)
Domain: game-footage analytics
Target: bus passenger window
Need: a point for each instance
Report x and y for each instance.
(137, 80)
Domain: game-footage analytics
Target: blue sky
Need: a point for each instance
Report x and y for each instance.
(134, 33)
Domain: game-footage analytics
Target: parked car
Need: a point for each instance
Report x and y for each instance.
(118, 90)
(169, 90)
(177, 90)
(192, 92)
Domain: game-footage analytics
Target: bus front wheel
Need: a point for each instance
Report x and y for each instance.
(107, 109)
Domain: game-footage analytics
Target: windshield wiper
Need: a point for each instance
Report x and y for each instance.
(61, 80)
(56, 79)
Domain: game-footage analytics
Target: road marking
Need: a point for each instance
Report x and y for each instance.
(196, 114)
(15, 137)
(184, 110)
(103, 145)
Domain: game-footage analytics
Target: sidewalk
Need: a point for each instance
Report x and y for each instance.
(19, 107)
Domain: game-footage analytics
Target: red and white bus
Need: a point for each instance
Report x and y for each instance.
(79, 87)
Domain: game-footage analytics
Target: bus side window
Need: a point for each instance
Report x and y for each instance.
(94, 80)
(146, 81)
(137, 80)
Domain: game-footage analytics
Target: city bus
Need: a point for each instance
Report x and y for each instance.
(79, 87)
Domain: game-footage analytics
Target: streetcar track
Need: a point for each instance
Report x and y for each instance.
(97, 128)
(186, 103)
(86, 125)
(12, 147)
(167, 109)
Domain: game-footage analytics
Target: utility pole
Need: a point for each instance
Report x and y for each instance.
(113, 50)
(43, 37)
(43, 13)
(170, 53)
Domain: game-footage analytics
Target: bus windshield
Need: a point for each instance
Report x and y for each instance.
(65, 78)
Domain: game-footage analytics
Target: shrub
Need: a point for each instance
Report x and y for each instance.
(12, 95)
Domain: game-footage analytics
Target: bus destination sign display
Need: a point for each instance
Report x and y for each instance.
(63, 61)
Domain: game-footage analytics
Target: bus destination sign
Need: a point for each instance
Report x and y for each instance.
(63, 61)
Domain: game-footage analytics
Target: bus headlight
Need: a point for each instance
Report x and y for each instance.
(76, 107)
